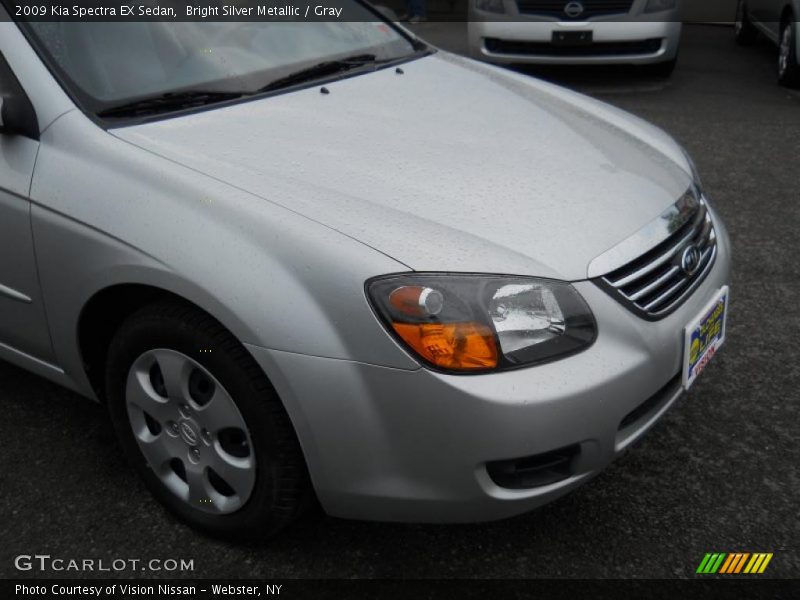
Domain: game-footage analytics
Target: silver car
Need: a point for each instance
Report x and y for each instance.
(779, 22)
(637, 32)
(324, 259)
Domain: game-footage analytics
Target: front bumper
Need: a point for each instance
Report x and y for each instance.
(398, 445)
(614, 42)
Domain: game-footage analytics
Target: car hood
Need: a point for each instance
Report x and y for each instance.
(448, 166)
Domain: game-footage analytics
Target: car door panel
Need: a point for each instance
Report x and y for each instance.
(23, 324)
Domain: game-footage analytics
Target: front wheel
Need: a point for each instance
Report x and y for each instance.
(788, 68)
(202, 425)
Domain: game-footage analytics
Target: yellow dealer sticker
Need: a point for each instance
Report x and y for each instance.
(704, 336)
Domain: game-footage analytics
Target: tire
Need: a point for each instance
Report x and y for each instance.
(744, 31)
(181, 387)
(788, 69)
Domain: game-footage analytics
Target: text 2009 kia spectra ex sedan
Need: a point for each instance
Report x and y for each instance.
(300, 259)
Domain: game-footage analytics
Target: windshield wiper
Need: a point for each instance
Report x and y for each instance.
(167, 102)
(170, 101)
(323, 69)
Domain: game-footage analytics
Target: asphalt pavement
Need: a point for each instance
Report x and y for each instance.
(718, 473)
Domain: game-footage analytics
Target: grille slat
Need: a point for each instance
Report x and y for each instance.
(591, 8)
(651, 266)
(657, 282)
(665, 295)
(652, 286)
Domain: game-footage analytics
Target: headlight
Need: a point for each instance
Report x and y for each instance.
(473, 323)
(493, 6)
(660, 5)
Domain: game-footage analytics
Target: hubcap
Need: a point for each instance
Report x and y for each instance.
(786, 48)
(190, 431)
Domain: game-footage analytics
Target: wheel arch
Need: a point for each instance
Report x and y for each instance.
(107, 309)
(100, 319)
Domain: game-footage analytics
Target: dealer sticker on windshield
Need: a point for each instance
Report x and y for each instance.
(704, 336)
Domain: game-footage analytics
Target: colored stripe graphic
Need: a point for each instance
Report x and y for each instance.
(758, 563)
(718, 563)
(703, 563)
(734, 562)
(753, 563)
(765, 563)
(741, 562)
(711, 562)
(729, 562)
(738, 562)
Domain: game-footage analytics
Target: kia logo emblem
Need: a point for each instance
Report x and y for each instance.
(690, 260)
(573, 9)
(188, 434)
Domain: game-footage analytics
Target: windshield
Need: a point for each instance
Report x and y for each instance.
(107, 64)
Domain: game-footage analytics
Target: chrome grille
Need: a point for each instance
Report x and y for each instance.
(658, 282)
(589, 8)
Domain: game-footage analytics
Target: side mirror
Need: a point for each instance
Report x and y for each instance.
(17, 116)
(387, 13)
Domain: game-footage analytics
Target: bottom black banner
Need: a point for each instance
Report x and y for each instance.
(202, 589)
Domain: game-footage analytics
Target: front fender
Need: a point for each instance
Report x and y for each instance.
(106, 213)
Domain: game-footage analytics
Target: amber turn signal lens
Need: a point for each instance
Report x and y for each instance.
(455, 346)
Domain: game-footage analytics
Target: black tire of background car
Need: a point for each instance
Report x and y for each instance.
(790, 77)
(282, 491)
(744, 31)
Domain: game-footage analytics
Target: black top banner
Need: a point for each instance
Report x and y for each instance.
(183, 10)
(576, 11)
